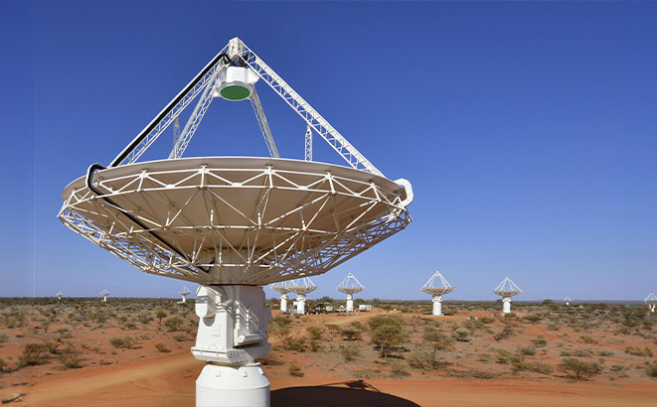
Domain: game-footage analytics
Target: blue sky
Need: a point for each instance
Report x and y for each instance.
(527, 129)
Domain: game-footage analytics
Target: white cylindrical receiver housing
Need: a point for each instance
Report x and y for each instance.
(283, 302)
(243, 386)
(506, 305)
(301, 304)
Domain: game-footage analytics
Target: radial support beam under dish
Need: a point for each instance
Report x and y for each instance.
(224, 220)
(232, 333)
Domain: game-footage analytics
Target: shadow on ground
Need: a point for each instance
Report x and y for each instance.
(356, 393)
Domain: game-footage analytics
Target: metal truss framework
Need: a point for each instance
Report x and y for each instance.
(507, 288)
(308, 145)
(437, 285)
(350, 285)
(302, 286)
(199, 207)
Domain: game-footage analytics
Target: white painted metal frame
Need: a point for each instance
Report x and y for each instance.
(507, 288)
(437, 285)
(263, 124)
(308, 145)
(289, 246)
(350, 285)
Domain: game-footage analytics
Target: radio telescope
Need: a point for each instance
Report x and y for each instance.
(105, 294)
(302, 287)
(567, 300)
(507, 289)
(184, 292)
(59, 295)
(350, 286)
(282, 288)
(651, 301)
(437, 286)
(234, 224)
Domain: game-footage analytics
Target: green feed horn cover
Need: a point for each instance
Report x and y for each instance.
(235, 92)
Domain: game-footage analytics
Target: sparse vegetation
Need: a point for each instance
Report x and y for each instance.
(579, 369)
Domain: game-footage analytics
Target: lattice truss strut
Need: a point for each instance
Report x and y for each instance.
(437, 284)
(229, 226)
(507, 288)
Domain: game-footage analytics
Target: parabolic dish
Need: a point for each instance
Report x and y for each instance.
(235, 220)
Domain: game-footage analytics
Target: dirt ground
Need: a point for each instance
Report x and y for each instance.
(142, 375)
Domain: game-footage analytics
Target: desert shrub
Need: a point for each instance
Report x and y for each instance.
(160, 315)
(357, 326)
(144, 320)
(33, 354)
(527, 350)
(4, 338)
(583, 353)
(382, 320)
(606, 353)
(637, 351)
(651, 370)
(3, 365)
(350, 334)
(483, 357)
(126, 342)
(486, 320)
(349, 352)
(539, 342)
(130, 325)
(70, 358)
(579, 369)
(297, 344)
(461, 334)
(53, 347)
(588, 339)
(536, 367)
(173, 324)
(533, 318)
(506, 357)
(180, 337)
(398, 369)
(437, 340)
(617, 368)
(333, 329)
(161, 348)
(316, 333)
(281, 327)
(505, 333)
(386, 337)
(295, 371)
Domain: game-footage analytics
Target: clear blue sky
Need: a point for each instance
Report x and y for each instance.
(528, 131)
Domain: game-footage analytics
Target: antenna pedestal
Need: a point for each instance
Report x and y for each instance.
(350, 303)
(284, 303)
(301, 303)
(437, 305)
(506, 305)
(232, 333)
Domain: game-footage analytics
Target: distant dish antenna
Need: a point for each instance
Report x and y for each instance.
(350, 286)
(59, 295)
(282, 288)
(651, 301)
(507, 289)
(234, 224)
(105, 294)
(301, 288)
(184, 292)
(437, 286)
(567, 300)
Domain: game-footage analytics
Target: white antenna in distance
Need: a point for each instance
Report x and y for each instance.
(59, 295)
(282, 288)
(651, 302)
(105, 294)
(301, 288)
(184, 292)
(350, 286)
(507, 289)
(437, 286)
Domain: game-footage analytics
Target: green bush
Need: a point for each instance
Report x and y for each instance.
(461, 334)
(539, 342)
(386, 337)
(637, 351)
(125, 343)
(173, 324)
(349, 352)
(588, 339)
(350, 334)
(316, 333)
(34, 354)
(505, 333)
(579, 369)
(651, 370)
(527, 350)
(162, 348)
(295, 370)
(297, 344)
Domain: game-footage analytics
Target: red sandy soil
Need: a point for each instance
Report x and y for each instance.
(144, 377)
(170, 381)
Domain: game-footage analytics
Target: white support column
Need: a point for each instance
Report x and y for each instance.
(232, 333)
(506, 305)
(350, 303)
(184, 298)
(652, 308)
(284, 302)
(301, 304)
(437, 305)
(104, 298)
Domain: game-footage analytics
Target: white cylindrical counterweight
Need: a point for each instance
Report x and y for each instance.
(437, 305)
(301, 304)
(350, 303)
(232, 386)
(283, 302)
(506, 305)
